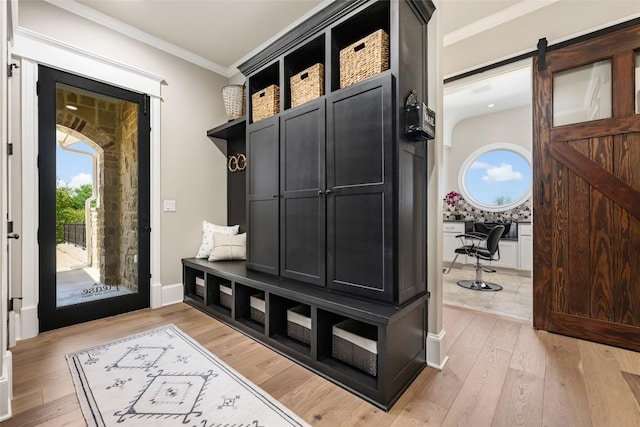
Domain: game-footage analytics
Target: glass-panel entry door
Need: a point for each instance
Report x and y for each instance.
(94, 199)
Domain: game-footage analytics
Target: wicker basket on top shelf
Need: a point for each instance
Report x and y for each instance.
(365, 58)
(265, 103)
(307, 85)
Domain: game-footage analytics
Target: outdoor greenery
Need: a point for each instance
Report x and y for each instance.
(70, 206)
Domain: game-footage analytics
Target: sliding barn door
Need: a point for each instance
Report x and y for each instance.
(587, 190)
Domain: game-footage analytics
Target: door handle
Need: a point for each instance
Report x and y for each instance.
(329, 191)
(13, 236)
(320, 192)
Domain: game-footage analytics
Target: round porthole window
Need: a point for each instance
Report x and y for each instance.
(496, 177)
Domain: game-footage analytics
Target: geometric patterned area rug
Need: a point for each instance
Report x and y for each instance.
(163, 377)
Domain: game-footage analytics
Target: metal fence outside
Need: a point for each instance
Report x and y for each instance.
(76, 234)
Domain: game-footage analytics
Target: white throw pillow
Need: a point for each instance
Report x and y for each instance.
(226, 247)
(207, 236)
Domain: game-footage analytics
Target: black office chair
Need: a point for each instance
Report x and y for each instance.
(480, 246)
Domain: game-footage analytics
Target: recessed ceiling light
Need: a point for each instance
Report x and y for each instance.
(490, 105)
(71, 107)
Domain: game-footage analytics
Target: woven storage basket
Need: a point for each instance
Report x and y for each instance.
(200, 286)
(256, 303)
(225, 295)
(307, 85)
(265, 103)
(299, 323)
(234, 100)
(365, 58)
(355, 343)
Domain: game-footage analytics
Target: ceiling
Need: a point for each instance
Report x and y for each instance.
(493, 91)
(217, 34)
(221, 34)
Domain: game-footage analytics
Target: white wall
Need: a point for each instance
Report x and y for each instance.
(510, 126)
(237, 79)
(558, 21)
(436, 338)
(193, 170)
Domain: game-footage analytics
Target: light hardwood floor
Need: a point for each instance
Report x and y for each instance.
(500, 372)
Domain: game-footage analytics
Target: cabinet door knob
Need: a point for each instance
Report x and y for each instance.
(320, 192)
(329, 191)
(275, 196)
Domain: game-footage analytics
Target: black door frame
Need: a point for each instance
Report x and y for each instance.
(50, 316)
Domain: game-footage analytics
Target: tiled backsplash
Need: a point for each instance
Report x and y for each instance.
(463, 210)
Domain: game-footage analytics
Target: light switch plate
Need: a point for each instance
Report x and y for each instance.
(169, 205)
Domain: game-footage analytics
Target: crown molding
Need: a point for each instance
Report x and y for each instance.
(517, 10)
(234, 68)
(137, 34)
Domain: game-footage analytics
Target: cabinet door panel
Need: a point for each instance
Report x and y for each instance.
(360, 213)
(263, 196)
(302, 148)
(525, 246)
(262, 236)
(262, 150)
(302, 178)
(508, 254)
(358, 252)
(359, 136)
(302, 254)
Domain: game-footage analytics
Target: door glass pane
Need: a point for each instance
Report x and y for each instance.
(96, 196)
(638, 82)
(582, 94)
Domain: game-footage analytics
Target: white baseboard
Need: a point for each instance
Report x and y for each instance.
(6, 387)
(13, 322)
(172, 294)
(436, 350)
(27, 320)
(155, 299)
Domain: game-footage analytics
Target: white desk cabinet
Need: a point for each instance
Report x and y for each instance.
(525, 246)
(508, 255)
(449, 242)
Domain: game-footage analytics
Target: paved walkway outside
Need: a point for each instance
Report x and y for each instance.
(70, 257)
(75, 282)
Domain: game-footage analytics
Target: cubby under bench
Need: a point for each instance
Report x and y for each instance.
(373, 350)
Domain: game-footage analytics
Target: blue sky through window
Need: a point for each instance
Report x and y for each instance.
(72, 168)
(498, 177)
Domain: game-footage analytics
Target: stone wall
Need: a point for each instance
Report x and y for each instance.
(108, 127)
(128, 192)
